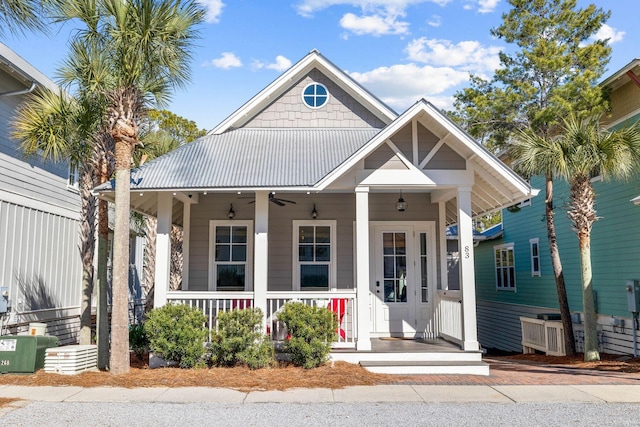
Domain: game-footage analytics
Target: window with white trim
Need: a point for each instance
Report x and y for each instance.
(534, 246)
(230, 254)
(314, 255)
(505, 267)
(74, 176)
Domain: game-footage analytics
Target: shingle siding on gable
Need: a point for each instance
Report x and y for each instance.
(341, 111)
(624, 100)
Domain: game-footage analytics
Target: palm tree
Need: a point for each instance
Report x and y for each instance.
(145, 45)
(19, 15)
(582, 150)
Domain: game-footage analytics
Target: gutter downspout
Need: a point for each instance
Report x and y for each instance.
(20, 91)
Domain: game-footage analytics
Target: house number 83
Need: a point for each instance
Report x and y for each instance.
(466, 252)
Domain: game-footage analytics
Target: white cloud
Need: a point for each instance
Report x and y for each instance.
(226, 61)
(607, 32)
(402, 85)
(213, 10)
(469, 55)
(281, 64)
(434, 21)
(483, 6)
(309, 7)
(375, 25)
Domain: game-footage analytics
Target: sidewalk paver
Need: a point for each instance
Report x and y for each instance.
(613, 393)
(545, 393)
(117, 394)
(378, 393)
(44, 394)
(201, 394)
(460, 393)
(298, 395)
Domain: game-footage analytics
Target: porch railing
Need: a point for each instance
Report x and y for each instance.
(211, 303)
(342, 303)
(542, 335)
(449, 315)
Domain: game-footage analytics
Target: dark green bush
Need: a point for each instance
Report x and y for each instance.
(177, 334)
(240, 340)
(138, 341)
(311, 330)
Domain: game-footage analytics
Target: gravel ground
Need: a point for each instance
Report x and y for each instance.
(322, 414)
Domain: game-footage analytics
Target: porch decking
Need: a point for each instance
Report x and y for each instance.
(415, 356)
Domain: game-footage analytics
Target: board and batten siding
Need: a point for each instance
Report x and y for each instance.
(335, 206)
(39, 259)
(615, 256)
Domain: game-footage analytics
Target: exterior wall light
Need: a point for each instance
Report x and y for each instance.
(314, 212)
(401, 205)
(232, 213)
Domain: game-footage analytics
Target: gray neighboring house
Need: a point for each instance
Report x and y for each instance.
(39, 210)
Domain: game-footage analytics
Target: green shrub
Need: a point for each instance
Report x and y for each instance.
(177, 334)
(311, 330)
(138, 341)
(240, 341)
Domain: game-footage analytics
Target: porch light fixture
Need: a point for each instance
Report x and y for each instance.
(231, 213)
(314, 212)
(401, 205)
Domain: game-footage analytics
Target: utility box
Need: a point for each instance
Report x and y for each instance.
(24, 353)
(633, 295)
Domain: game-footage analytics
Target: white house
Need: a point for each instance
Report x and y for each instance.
(316, 190)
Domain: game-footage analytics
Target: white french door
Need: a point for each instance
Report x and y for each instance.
(402, 277)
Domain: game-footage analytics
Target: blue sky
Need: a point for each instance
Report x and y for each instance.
(401, 50)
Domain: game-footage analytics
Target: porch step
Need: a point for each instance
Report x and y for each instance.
(426, 367)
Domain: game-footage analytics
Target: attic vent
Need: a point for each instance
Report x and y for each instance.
(315, 95)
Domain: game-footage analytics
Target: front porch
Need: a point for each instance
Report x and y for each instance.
(424, 353)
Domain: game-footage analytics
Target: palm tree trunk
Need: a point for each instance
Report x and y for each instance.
(175, 270)
(87, 249)
(563, 303)
(150, 261)
(120, 358)
(583, 215)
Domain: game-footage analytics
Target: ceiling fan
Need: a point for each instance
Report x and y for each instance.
(278, 201)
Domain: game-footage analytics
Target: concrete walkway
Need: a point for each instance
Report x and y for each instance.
(371, 394)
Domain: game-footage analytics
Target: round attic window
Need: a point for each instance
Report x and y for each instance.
(315, 95)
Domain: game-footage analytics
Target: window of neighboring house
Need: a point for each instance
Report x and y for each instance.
(524, 203)
(314, 255)
(74, 176)
(534, 246)
(230, 255)
(505, 267)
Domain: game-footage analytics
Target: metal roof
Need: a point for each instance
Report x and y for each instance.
(250, 158)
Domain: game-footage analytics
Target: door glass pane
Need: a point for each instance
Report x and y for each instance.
(387, 244)
(401, 266)
(424, 272)
(389, 291)
(389, 267)
(401, 245)
(314, 276)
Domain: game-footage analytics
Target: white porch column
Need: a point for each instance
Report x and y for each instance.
(163, 249)
(362, 268)
(467, 279)
(186, 238)
(261, 251)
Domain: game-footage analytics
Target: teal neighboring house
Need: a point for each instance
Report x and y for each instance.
(514, 276)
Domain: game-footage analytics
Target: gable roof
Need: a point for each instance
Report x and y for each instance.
(24, 72)
(251, 158)
(313, 60)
